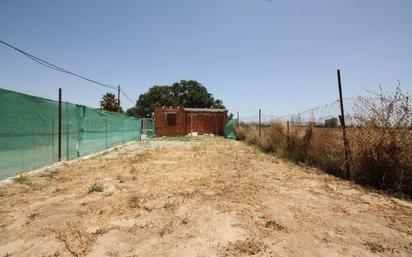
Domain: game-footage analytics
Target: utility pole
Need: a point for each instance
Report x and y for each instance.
(342, 122)
(118, 98)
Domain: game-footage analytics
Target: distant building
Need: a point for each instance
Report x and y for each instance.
(181, 121)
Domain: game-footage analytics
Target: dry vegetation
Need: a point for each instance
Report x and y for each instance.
(202, 197)
(380, 143)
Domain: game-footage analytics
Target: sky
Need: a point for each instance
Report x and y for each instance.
(277, 55)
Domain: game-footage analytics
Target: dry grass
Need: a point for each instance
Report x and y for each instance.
(240, 133)
(379, 158)
(77, 240)
(248, 247)
(381, 144)
(382, 158)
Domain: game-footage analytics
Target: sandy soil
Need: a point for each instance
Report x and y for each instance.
(207, 197)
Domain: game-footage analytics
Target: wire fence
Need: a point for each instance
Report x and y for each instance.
(370, 144)
(321, 115)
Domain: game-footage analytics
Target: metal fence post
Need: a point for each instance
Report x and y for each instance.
(60, 125)
(287, 136)
(344, 134)
(260, 121)
(118, 98)
(67, 132)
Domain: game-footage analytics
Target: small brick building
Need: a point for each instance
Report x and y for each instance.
(183, 121)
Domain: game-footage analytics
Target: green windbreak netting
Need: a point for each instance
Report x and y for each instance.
(29, 131)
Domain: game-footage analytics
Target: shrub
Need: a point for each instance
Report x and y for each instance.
(293, 150)
(382, 143)
(274, 138)
(252, 136)
(326, 151)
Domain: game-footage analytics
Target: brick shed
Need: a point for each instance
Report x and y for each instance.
(182, 121)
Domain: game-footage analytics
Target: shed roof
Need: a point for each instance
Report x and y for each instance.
(204, 110)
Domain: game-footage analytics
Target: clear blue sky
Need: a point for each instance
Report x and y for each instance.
(280, 55)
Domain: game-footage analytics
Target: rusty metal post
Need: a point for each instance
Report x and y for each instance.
(287, 136)
(60, 125)
(260, 122)
(343, 125)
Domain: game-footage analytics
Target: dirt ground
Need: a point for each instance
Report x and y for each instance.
(201, 197)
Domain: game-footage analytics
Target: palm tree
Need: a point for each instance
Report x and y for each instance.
(109, 102)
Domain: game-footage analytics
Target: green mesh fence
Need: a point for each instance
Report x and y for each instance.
(29, 131)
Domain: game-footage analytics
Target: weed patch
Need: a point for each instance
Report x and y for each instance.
(96, 187)
(21, 180)
(375, 247)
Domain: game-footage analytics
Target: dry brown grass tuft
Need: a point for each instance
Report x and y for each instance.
(274, 140)
(326, 150)
(240, 133)
(252, 135)
(249, 247)
(76, 239)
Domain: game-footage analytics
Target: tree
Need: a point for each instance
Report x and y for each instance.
(331, 123)
(109, 103)
(132, 112)
(186, 93)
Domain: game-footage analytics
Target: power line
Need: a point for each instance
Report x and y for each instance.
(59, 69)
(128, 98)
(55, 67)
